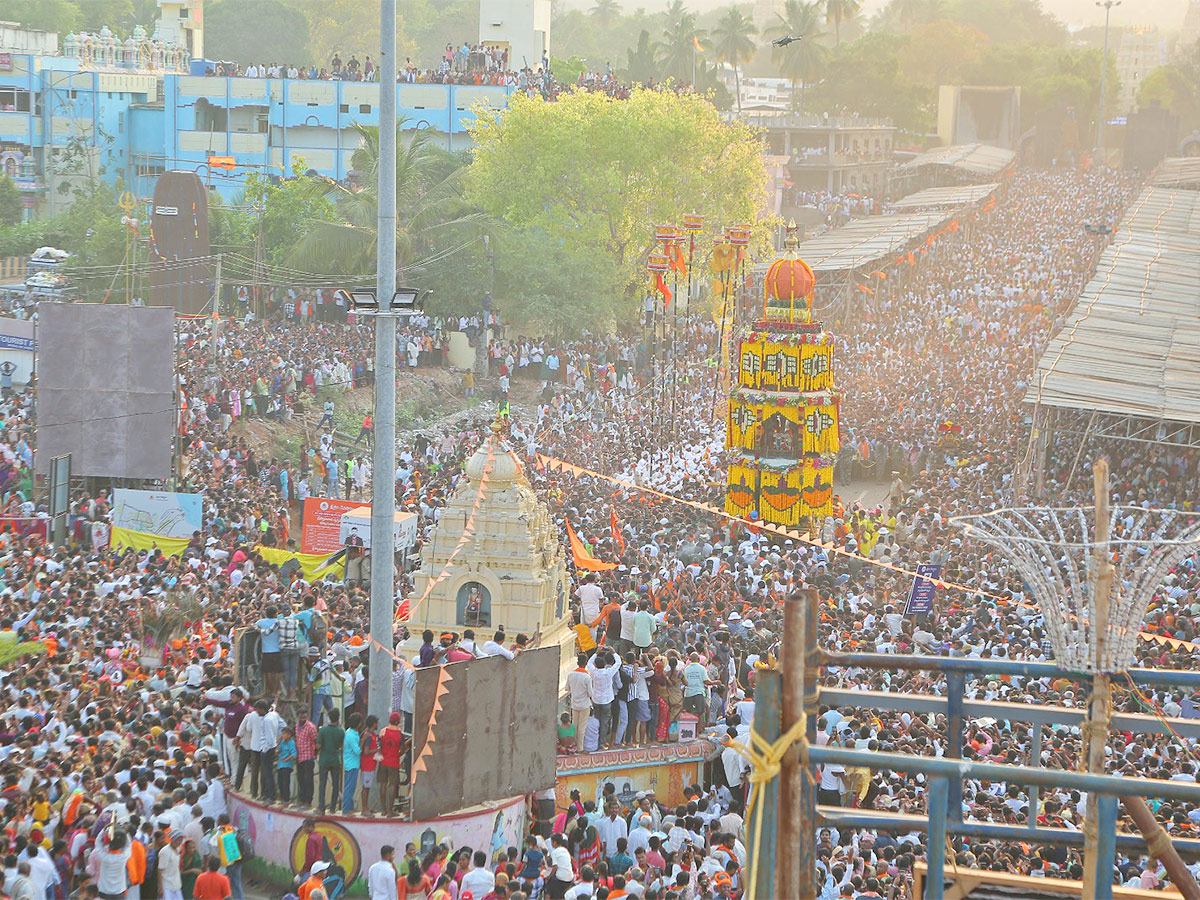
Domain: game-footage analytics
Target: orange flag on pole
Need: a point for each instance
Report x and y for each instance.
(583, 559)
(615, 527)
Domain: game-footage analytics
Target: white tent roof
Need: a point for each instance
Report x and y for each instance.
(1132, 344)
(867, 240)
(960, 195)
(973, 159)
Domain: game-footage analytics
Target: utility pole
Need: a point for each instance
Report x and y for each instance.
(1108, 5)
(216, 318)
(383, 480)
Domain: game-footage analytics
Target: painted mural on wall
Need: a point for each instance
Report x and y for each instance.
(352, 843)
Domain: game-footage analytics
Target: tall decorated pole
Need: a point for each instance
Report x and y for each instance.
(656, 265)
(383, 486)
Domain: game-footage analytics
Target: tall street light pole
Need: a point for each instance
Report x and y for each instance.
(383, 483)
(1108, 5)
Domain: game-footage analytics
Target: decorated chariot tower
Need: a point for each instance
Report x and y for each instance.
(783, 413)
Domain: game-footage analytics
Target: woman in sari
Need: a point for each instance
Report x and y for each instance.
(563, 820)
(190, 866)
(588, 849)
(674, 694)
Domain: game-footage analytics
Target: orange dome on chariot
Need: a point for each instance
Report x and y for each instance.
(789, 283)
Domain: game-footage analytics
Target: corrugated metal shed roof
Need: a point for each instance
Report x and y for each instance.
(962, 195)
(1178, 171)
(1132, 344)
(867, 240)
(974, 159)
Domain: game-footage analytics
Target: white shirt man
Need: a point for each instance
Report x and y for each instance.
(170, 876)
(248, 730)
(479, 880)
(639, 838)
(610, 828)
(495, 648)
(268, 732)
(591, 598)
(381, 878)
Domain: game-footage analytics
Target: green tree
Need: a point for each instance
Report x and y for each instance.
(733, 43)
(905, 15)
(429, 206)
(264, 31)
(642, 68)
(1009, 21)
(679, 45)
(288, 209)
(839, 11)
(346, 27)
(568, 70)
(939, 52)
(91, 229)
(597, 175)
(606, 12)
(1049, 76)
(11, 208)
(47, 15)
(802, 61)
(1175, 90)
(865, 75)
(119, 15)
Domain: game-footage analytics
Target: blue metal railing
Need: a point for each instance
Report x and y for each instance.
(946, 772)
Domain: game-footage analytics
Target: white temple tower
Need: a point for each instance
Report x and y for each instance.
(510, 570)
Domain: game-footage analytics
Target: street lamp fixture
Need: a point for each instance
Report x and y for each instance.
(405, 302)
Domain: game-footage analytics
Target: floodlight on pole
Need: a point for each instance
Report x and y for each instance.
(405, 302)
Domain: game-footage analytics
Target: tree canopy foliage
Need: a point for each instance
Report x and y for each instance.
(597, 175)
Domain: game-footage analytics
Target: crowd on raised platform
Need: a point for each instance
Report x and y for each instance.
(115, 774)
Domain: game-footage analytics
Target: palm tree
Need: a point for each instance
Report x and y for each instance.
(917, 12)
(674, 13)
(677, 50)
(802, 60)
(734, 44)
(839, 11)
(428, 204)
(606, 12)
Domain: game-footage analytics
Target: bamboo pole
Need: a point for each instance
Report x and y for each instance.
(1158, 842)
(1098, 709)
(794, 854)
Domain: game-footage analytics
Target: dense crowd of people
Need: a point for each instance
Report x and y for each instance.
(116, 773)
(466, 64)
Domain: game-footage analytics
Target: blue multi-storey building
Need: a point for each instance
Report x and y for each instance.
(268, 125)
(109, 108)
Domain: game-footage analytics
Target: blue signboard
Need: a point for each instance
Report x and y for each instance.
(15, 342)
(920, 598)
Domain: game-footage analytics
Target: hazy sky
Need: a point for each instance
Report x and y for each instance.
(1164, 13)
(1167, 14)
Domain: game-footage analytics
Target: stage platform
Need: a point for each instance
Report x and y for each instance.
(665, 769)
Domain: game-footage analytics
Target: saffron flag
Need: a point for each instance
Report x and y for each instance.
(675, 252)
(663, 289)
(615, 527)
(584, 559)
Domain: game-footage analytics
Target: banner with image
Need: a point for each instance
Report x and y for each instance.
(161, 513)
